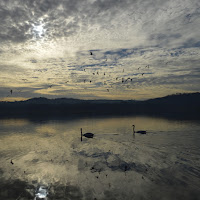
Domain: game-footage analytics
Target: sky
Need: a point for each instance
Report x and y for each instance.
(141, 49)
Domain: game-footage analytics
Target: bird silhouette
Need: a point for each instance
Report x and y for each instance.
(11, 162)
(141, 132)
(87, 135)
(127, 79)
(91, 53)
(147, 66)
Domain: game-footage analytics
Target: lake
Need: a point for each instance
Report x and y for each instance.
(115, 164)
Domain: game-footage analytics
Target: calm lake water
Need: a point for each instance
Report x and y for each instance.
(115, 164)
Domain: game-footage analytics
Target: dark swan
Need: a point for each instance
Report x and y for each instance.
(141, 132)
(87, 135)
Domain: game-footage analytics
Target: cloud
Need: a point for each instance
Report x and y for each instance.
(158, 23)
(51, 40)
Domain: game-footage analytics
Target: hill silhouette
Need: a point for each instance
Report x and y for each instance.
(187, 103)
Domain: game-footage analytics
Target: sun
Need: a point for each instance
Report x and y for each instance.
(38, 30)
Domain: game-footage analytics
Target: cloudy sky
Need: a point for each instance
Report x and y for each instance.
(140, 49)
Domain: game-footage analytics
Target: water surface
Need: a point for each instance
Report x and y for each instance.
(115, 164)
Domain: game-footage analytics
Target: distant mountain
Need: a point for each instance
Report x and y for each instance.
(181, 98)
(43, 100)
(188, 103)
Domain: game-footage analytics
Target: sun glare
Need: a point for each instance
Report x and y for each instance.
(38, 30)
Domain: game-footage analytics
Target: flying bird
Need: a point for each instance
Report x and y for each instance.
(147, 66)
(127, 79)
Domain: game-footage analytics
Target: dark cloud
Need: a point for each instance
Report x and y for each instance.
(177, 80)
(61, 18)
(65, 18)
(164, 36)
(192, 42)
(33, 61)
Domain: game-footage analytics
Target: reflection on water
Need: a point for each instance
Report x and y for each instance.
(115, 164)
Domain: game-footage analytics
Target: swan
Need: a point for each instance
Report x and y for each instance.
(141, 132)
(87, 135)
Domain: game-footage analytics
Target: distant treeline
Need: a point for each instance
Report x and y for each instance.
(179, 103)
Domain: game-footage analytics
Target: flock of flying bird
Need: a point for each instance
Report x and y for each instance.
(123, 80)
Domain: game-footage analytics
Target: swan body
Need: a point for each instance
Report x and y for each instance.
(141, 132)
(88, 135)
